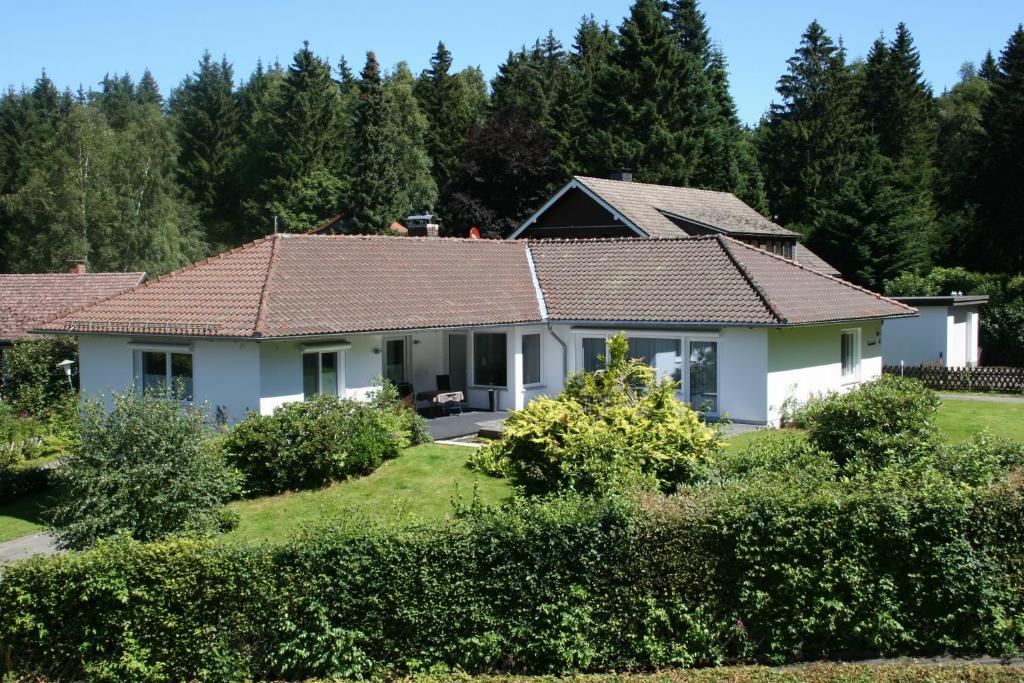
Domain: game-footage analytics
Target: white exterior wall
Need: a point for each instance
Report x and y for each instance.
(957, 326)
(805, 361)
(742, 374)
(224, 373)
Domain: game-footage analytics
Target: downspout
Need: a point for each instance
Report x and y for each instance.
(544, 311)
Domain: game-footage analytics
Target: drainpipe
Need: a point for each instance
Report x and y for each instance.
(565, 351)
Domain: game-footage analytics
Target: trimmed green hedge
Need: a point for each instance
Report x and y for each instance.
(754, 571)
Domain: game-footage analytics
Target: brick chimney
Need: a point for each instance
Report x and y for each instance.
(422, 225)
(78, 268)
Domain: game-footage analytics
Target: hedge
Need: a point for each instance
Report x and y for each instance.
(814, 673)
(750, 572)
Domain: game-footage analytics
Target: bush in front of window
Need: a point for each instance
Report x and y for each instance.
(309, 444)
(890, 419)
(146, 469)
(621, 427)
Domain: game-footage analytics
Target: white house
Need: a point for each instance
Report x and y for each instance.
(289, 316)
(945, 334)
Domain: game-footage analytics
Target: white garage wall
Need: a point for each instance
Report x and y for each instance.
(958, 326)
(916, 341)
(805, 361)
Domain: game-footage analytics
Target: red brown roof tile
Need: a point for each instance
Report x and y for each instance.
(28, 300)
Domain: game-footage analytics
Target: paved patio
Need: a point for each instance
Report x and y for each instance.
(471, 422)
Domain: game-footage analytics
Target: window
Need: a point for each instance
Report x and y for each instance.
(320, 373)
(593, 354)
(490, 362)
(531, 359)
(664, 355)
(849, 353)
(704, 376)
(158, 370)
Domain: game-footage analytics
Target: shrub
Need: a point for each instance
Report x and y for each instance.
(754, 570)
(618, 427)
(33, 382)
(882, 421)
(145, 469)
(312, 443)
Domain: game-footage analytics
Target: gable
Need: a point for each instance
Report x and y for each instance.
(576, 215)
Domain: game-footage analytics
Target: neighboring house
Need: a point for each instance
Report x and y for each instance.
(598, 207)
(945, 334)
(289, 316)
(27, 300)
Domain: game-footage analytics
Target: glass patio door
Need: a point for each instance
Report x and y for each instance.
(395, 355)
(704, 376)
(457, 362)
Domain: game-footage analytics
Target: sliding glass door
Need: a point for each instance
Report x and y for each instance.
(395, 354)
(704, 376)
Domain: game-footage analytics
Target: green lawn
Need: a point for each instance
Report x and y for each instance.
(960, 419)
(420, 484)
(23, 516)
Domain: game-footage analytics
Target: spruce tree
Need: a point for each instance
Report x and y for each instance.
(147, 92)
(303, 161)
(391, 170)
(437, 92)
(207, 123)
(999, 242)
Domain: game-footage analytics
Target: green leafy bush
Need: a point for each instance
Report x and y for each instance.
(33, 383)
(618, 427)
(312, 443)
(757, 570)
(145, 469)
(886, 420)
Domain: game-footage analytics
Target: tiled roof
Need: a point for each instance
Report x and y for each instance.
(27, 300)
(702, 280)
(295, 285)
(650, 208)
(317, 284)
(808, 258)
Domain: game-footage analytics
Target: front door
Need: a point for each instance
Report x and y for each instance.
(457, 362)
(395, 360)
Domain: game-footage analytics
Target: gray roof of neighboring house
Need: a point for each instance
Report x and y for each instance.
(651, 208)
(300, 285)
(950, 300)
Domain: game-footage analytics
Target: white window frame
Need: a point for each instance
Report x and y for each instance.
(139, 349)
(855, 375)
(340, 378)
(683, 392)
(540, 360)
(472, 360)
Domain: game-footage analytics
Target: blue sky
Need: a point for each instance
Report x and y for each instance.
(77, 42)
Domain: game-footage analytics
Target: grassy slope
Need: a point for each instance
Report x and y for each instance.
(419, 484)
(23, 516)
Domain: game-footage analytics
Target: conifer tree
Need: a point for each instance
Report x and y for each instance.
(391, 171)
(303, 160)
(208, 127)
(1000, 239)
(147, 92)
(437, 92)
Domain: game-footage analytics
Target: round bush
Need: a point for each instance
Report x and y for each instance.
(886, 420)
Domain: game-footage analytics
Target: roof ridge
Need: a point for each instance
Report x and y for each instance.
(147, 283)
(393, 237)
(772, 308)
(840, 280)
(668, 187)
(605, 240)
(261, 314)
